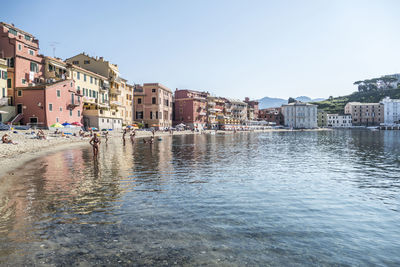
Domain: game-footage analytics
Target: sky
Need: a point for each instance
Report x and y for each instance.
(281, 48)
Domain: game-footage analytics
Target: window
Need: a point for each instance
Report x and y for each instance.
(156, 114)
(12, 31)
(58, 93)
(90, 93)
(50, 107)
(61, 109)
(153, 100)
(50, 67)
(91, 79)
(78, 75)
(57, 120)
(27, 37)
(84, 77)
(79, 114)
(31, 52)
(70, 112)
(34, 67)
(139, 114)
(139, 101)
(86, 62)
(19, 93)
(75, 62)
(23, 81)
(95, 81)
(9, 83)
(4, 75)
(19, 47)
(4, 92)
(153, 90)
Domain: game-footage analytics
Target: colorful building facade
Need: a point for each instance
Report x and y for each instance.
(45, 104)
(365, 114)
(153, 105)
(191, 108)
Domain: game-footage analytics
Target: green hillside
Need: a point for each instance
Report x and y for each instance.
(336, 104)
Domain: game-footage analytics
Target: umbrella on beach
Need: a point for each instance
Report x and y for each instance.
(93, 128)
(129, 126)
(77, 123)
(57, 125)
(65, 124)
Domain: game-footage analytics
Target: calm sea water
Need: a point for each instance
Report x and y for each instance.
(279, 199)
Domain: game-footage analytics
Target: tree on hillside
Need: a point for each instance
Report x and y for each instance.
(373, 84)
(291, 100)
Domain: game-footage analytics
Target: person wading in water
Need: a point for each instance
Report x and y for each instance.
(95, 142)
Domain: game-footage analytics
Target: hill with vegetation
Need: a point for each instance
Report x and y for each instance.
(336, 104)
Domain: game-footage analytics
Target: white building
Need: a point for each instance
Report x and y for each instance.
(300, 115)
(337, 121)
(391, 109)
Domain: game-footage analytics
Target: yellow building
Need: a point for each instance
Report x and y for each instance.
(6, 112)
(115, 82)
(93, 89)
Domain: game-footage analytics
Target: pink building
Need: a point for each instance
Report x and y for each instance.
(191, 108)
(46, 104)
(252, 111)
(20, 49)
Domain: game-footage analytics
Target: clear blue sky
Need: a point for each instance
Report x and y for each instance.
(230, 48)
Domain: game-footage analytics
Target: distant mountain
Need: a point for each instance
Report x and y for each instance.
(269, 102)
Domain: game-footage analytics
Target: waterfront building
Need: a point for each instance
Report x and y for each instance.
(45, 104)
(191, 108)
(271, 115)
(238, 110)
(300, 115)
(391, 109)
(322, 118)
(339, 121)
(6, 111)
(116, 85)
(128, 103)
(153, 105)
(215, 112)
(252, 109)
(24, 64)
(365, 114)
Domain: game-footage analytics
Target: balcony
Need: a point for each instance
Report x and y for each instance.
(115, 91)
(115, 103)
(89, 100)
(3, 101)
(211, 104)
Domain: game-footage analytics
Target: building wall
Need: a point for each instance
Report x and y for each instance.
(271, 115)
(160, 113)
(322, 117)
(391, 111)
(36, 103)
(300, 115)
(339, 121)
(191, 108)
(365, 114)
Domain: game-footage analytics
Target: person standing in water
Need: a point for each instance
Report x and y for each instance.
(132, 136)
(95, 142)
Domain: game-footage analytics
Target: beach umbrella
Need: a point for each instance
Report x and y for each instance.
(93, 128)
(57, 125)
(69, 126)
(77, 123)
(155, 125)
(129, 126)
(65, 124)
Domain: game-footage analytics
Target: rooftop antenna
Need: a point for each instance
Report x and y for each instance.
(54, 46)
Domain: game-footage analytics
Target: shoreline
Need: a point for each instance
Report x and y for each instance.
(14, 156)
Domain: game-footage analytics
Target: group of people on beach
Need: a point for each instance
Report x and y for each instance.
(95, 140)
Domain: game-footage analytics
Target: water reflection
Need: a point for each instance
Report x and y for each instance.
(240, 199)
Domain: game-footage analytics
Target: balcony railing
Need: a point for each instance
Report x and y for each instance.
(4, 101)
